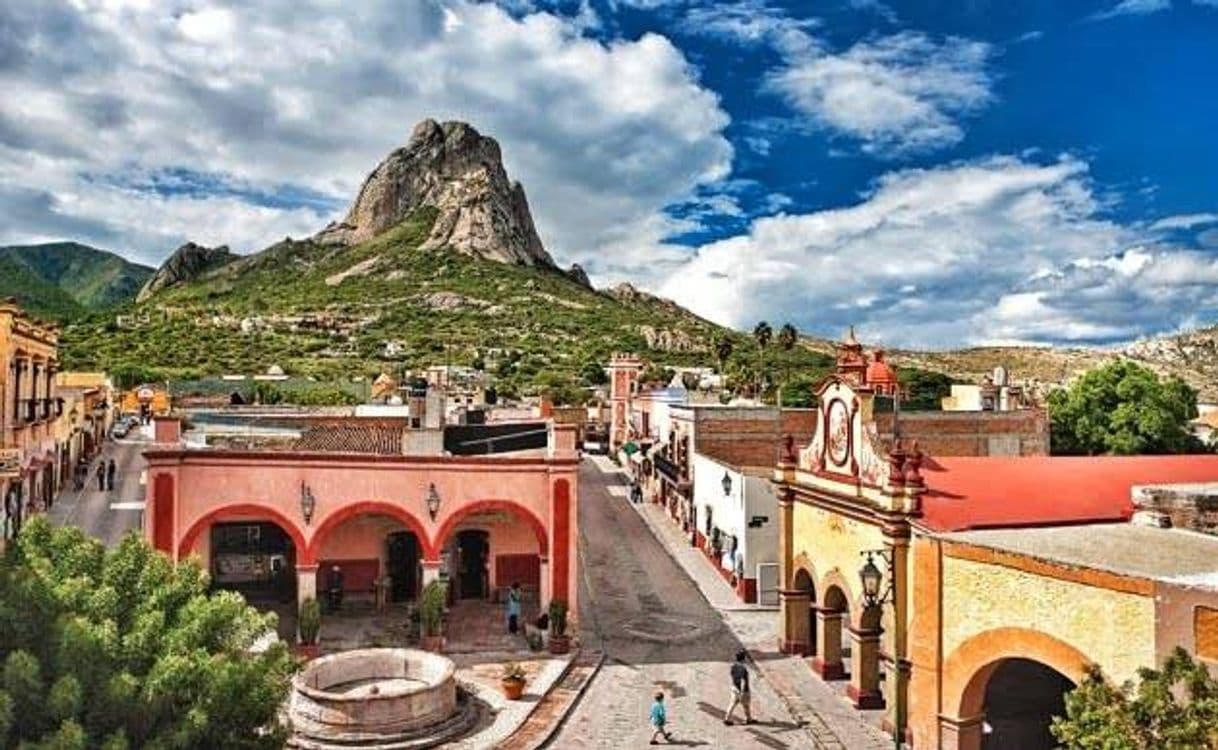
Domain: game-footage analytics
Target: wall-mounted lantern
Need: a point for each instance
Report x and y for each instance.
(727, 483)
(872, 578)
(308, 503)
(433, 501)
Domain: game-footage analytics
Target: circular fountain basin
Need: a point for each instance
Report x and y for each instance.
(378, 696)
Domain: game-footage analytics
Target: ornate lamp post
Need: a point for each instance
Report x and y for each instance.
(308, 503)
(727, 483)
(872, 578)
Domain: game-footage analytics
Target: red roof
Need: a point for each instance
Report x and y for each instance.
(990, 492)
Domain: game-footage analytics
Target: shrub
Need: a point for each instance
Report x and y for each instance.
(513, 671)
(558, 617)
(310, 621)
(431, 607)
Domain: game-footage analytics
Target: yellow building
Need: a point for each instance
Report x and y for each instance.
(88, 413)
(146, 402)
(29, 406)
(972, 591)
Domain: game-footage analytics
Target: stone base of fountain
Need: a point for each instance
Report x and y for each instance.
(385, 698)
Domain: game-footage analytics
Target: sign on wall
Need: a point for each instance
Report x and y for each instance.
(10, 462)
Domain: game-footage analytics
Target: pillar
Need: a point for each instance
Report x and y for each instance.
(828, 661)
(306, 583)
(961, 734)
(793, 610)
(543, 587)
(431, 571)
(864, 687)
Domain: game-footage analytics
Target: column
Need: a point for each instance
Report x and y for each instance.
(431, 571)
(793, 610)
(864, 687)
(961, 734)
(828, 661)
(543, 589)
(306, 583)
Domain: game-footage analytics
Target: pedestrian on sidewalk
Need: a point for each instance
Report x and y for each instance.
(110, 472)
(101, 476)
(513, 608)
(659, 720)
(740, 690)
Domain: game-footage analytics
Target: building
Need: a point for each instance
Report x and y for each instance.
(88, 414)
(352, 497)
(996, 392)
(963, 595)
(624, 371)
(146, 401)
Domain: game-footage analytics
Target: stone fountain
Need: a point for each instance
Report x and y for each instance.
(386, 698)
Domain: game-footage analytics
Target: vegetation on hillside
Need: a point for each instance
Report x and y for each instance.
(125, 649)
(63, 280)
(1123, 408)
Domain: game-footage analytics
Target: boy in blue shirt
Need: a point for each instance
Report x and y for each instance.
(659, 719)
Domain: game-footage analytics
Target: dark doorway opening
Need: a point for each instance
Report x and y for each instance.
(256, 558)
(472, 549)
(1021, 699)
(403, 566)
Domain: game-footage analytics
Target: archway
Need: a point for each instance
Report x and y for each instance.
(832, 615)
(369, 553)
(498, 541)
(803, 583)
(1020, 673)
(1021, 698)
(245, 512)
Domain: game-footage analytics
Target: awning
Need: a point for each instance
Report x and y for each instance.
(630, 448)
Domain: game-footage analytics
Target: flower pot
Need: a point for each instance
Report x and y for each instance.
(560, 644)
(513, 688)
(308, 651)
(433, 643)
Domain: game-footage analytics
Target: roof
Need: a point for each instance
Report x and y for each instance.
(1170, 555)
(379, 439)
(992, 492)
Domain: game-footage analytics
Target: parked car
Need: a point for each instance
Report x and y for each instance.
(119, 430)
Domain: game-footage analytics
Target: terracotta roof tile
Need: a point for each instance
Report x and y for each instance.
(377, 438)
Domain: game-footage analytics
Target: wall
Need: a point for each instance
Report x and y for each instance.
(1176, 620)
(833, 544)
(1114, 628)
(1024, 432)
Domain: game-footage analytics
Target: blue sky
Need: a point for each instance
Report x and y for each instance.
(938, 173)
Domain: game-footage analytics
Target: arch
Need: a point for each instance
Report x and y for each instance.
(803, 581)
(468, 509)
(968, 669)
(223, 512)
(834, 598)
(373, 507)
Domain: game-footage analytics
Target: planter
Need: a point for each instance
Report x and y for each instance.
(513, 688)
(560, 644)
(308, 651)
(432, 643)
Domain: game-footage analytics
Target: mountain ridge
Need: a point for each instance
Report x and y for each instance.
(91, 278)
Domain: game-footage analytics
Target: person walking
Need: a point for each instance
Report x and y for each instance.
(740, 690)
(101, 476)
(659, 720)
(513, 608)
(111, 470)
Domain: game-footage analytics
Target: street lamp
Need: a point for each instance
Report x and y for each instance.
(433, 501)
(727, 483)
(872, 578)
(308, 503)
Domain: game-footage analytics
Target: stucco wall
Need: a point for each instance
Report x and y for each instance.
(1116, 629)
(833, 543)
(1177, 621)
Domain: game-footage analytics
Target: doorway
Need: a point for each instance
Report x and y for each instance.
(472, 548)
(402, 565)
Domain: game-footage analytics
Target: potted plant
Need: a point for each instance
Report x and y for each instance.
(512, 681)
(309, 624)
(431, 616)
(560, 642)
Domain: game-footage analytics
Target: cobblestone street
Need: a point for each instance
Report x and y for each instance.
(658, 633)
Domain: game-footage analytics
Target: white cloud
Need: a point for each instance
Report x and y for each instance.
(1133, 8)
(1185, 221)
(999, 249)
(311, 95)
(896, 94)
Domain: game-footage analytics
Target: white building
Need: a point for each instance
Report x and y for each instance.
(737, 525)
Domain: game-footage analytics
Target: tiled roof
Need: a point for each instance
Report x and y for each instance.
(383, 439)
(991, 492)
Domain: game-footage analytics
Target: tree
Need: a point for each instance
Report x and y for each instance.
(723, 350)
(1123, 408)
(762, 334)
(593, 373)
(127, 649)
(787, 338)
(1170, 709)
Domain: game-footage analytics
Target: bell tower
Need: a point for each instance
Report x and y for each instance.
(624, 372)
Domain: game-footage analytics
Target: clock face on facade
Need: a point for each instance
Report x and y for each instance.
(839, 438)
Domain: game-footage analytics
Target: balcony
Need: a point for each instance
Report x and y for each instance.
(47, 408)
(31, 410)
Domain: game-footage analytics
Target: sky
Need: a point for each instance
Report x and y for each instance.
(939, 174)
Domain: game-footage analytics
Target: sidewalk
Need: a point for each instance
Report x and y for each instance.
(825, 712)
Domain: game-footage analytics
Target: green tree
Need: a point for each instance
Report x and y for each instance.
(723, 350)
(762, 334)
(1173, 708)
(787, 338)
(127, 649)
(1123, 408)
(593, 373)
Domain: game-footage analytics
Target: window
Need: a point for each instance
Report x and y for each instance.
(1205, 632)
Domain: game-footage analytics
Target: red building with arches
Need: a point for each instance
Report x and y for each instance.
(483, 522)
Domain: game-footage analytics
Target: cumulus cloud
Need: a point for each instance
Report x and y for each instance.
(1133, 8)
(276, 111)
(992, 250)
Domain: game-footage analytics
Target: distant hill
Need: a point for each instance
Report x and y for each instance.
(63, 280)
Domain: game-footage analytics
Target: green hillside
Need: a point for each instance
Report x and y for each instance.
(334, 312)
(93, 279)
(39, 297)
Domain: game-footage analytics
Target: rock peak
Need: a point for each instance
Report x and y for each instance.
(186, 263)
(456, 170)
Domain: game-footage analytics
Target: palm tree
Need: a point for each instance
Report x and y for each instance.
(723, 350)
(763, 333)
(787, 338)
